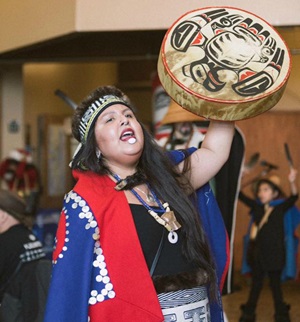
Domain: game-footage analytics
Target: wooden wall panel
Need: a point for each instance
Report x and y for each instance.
(266, 135)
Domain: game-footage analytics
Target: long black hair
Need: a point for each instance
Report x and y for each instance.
(155, 168)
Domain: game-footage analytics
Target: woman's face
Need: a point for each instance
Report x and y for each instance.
(119, 135)
(265, 193)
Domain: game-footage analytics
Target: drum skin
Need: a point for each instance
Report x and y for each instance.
(224, 63)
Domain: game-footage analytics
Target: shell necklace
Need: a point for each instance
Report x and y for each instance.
(167, 219)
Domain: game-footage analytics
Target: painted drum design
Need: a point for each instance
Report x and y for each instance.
(224, 63)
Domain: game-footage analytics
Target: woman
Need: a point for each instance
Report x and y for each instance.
(130, 241)
(267, 243)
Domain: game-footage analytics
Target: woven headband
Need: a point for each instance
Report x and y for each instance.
(94, 110)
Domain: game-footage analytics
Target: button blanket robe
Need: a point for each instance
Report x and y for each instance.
(99, 271)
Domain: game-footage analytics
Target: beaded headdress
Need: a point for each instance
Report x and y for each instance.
(94, 110)
(91, 114)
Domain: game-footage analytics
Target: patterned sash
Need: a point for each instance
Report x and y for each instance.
(189, 305)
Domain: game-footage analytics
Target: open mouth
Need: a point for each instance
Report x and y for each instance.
(127, 134)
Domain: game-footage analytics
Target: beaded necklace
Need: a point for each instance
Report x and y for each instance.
(167, 219)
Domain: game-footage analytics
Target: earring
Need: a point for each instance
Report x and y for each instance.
(98, 154)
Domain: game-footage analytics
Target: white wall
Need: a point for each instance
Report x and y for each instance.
(27, 22)
(160, 14)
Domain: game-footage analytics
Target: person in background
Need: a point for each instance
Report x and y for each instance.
(131, 245)
(266, 248)
(24, 273)
(19, 174)
(184, 129)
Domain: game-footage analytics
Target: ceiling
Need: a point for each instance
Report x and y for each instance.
(110, 46)
(122, 45)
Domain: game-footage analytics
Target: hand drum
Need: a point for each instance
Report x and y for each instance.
(224, 63)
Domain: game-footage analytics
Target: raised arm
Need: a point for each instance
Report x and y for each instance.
(292, 179)
(289, 202)
(214, 152)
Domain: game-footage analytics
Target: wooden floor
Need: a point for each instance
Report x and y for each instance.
(265, 311)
